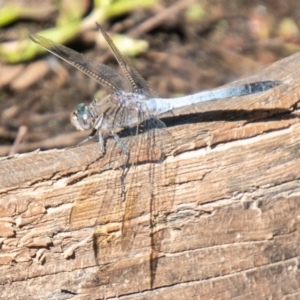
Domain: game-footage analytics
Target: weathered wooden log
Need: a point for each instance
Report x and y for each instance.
(216, 217)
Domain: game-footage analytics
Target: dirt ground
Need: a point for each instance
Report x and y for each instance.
(192, 47)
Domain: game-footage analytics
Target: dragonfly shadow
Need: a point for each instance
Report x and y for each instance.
(147, 188)
(254, 115)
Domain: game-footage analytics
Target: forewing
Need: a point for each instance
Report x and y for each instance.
(101, 73)
(137, 82)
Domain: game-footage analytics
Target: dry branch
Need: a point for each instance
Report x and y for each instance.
(218, 219)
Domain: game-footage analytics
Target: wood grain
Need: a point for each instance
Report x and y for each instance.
(218, 218)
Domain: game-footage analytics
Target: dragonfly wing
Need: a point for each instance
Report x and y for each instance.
(101, 73)
(137, 82)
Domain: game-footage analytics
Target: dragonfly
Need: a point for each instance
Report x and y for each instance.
(132, 103)
(132, 100)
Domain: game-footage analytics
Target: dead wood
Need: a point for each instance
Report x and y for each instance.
(217, 218)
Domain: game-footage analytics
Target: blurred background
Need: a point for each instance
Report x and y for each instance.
(179, 47)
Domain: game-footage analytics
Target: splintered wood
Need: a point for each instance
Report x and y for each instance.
(214, 214)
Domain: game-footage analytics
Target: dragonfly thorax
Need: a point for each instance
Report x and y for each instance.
(130, 100)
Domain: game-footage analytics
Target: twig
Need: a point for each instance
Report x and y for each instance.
(159, 18)
(21, 133)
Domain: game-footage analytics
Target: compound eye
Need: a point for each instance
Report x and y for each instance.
(81, 117)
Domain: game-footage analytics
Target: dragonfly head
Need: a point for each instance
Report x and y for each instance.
(81, 118)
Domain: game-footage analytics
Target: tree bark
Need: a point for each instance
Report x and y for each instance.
(215, 217)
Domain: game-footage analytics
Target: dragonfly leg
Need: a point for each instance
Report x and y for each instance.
(90, 137)
(101, 142)
(101, 146)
